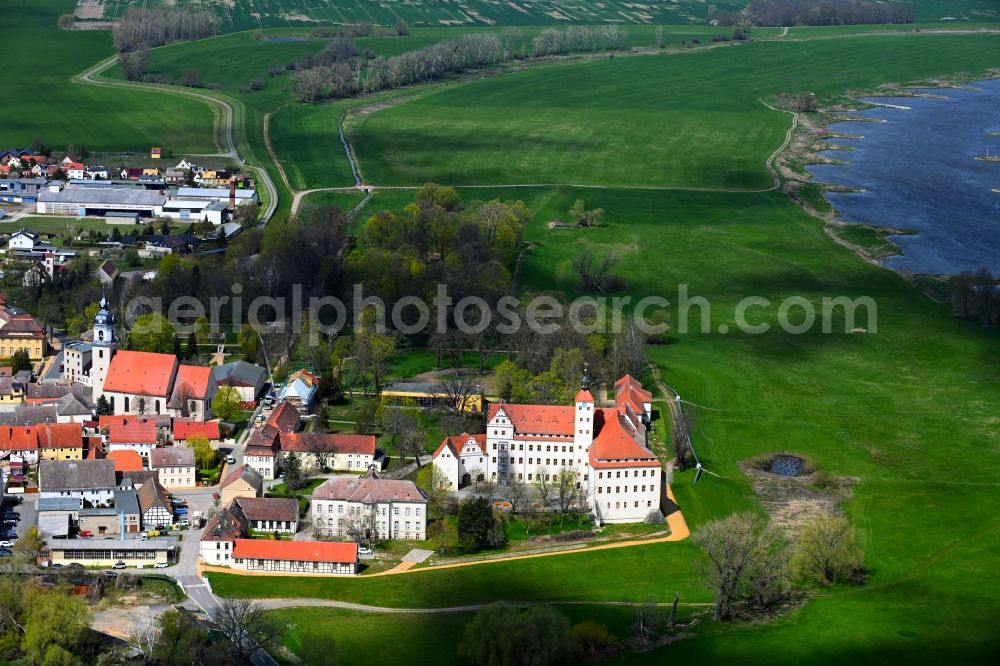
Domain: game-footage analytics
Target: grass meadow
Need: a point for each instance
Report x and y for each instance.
(692, 120)
(42, 105)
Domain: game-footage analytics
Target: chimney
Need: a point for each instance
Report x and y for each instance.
(232, 195)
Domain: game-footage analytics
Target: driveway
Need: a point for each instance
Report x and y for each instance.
(29, 512)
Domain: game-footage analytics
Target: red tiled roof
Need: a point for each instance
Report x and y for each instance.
(144, 373)
(18, 438)
(95, 448)
(457, 442)
(304, 442)
(185, 429)
(132, 432)
(296, 551)
(60, 435)
(538, 419)
(126, 460)
(617, 443)
(584, 396)
(285, 417)
(629, 391)
(192, 379)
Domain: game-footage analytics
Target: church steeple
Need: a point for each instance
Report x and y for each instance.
(585, 380)
(105, 343)
(104, 324)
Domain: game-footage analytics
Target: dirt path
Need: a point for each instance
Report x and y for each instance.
(273, 604)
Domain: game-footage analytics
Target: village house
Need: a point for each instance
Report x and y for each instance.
(618, 477)
(300, 390)
(125, 460)
(76, 362)
(124, 516)
(175, 465)
(319, 451)
(106, 552)
(155, 505)
(270, 514)
(241, 481)
(19, 331)
(91, 480)
(220, 535)
(261, 451)
(185, 429)
(247, 378)
(137, 435)
(394, 509)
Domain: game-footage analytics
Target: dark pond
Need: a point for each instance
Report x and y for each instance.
(787, 466)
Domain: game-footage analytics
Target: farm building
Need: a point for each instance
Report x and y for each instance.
(80, 201)
(106, 552)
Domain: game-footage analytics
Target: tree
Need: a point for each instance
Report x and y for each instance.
(28, 548)
(317, 648)
(443, 534)
(144, 633)
(192, 345)
(680, 428)
(478, 525)
(739, 548)
(543, 487)
(20, 361)
(227, 403)
(182, 641)
(291, 467)
(658, 36)
(373, 350)
(827, 552)
(591, 639)
(439, 492)
(152, 333)
(585, 218)
(361, 526)
(248, 627)
(55, 624)
(204, 455)
(67, 21)
(501, 635)
(567, 491)
(412, 442)
(191, 78)
(595, 272)
(249, 343)
(518, 493)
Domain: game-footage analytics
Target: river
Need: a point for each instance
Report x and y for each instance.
(918, 171)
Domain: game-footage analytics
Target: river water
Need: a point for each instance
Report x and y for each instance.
(918, 172)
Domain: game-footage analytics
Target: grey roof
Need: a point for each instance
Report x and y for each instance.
(54, 524)
(159, 543)
(30, 415)
(71, 405)
(212, 192)
(240, 373)
(59, 503)
(54, 475)
(127, 501)
(81, 346)
(27, 181)
(97, 196)
(174, 456)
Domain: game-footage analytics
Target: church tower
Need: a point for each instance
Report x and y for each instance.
(583, 430)
(104, 345)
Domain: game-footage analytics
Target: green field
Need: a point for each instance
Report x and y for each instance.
(694, 120)
(244, 14)
(41, 104)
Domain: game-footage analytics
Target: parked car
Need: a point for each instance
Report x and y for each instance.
(180, 502)
(180, 511)
(153, 533)
(6, 544)
(182, 523)
(111, 574)
(231, 460)
(216, 496)
(364, 550)
(85, 534)
(117, 565)
(6, 552)
(161, 565)
(14, 515)
(8, 534)
(142, 537)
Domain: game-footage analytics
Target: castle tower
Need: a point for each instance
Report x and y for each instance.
(583, 430)
(105, 343)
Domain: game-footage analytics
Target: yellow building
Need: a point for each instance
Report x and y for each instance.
(19, 330)
(59, 441)
(433, 396)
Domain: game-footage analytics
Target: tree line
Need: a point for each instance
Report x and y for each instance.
(976, 296)
(344, 72)
(815, 12)
(142, 28)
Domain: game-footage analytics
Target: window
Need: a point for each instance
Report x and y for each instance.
(395, 510)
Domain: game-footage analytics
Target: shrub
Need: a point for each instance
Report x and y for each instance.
(827, 552)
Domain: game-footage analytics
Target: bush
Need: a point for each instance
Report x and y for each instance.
(591, 639)
(67, 21)
(827, 552)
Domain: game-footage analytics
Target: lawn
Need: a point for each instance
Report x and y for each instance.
(42, 105)
(693, 120)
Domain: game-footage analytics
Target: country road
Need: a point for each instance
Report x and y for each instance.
(92, 76)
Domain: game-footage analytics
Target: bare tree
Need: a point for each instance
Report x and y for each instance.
(412, 442)
(143, 633)
(461, 391)
(248, 627)
(518, 493)
(738, 549)
(680, 434)
(543, 487)
(594, 271)
(567, 491)
(827, 551)
(361, 526)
